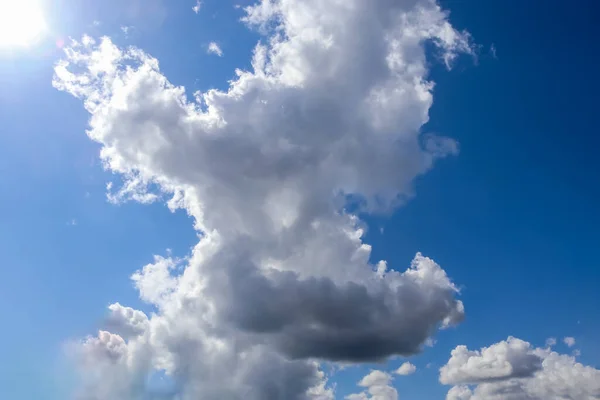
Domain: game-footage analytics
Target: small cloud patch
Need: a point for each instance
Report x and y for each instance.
(214, 48)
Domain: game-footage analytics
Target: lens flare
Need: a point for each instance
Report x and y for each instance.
(21, 23)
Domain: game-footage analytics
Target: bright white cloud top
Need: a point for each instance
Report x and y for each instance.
(406, 368)
(515, 370)
(377, 386)
(21, 23)
(280, 279)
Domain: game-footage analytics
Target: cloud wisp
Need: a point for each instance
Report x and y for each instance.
(197, 7)
(214, 48)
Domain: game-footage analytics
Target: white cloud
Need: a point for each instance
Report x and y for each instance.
(333, 107)
(155, 282)
(459, 393)
(406, 369)
(321, 391)
(378, 387)
(551, 342)
(134, 189)
(126, 321)
(214, 48)
(102, 362)
(197, 7)
(514, 370)
(513, 358)
(569, 341)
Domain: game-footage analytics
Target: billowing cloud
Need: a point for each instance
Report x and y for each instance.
(569, 341)
(459, 393)
(406, 368)
(110, 368)
(514, 370)
(126, 321)
(377, 386)
(315, 317)
(331, 112)
(513, 358)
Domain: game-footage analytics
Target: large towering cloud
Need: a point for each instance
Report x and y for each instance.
(332, 110)
(515, 370)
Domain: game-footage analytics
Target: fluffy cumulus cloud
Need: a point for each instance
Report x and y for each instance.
(515, 370)
(280, 279)
(406, 368)
(126, 321)
(377, 386)
(508, 359)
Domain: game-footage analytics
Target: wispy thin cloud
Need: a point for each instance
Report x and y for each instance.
(197, 7)
(493, 51)
(214, 48)
(126, 30)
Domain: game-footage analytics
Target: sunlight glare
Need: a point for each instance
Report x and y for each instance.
(21, 23)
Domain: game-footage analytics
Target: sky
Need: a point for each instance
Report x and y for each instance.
(315, 200)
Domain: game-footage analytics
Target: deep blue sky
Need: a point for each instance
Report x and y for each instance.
(513, 219)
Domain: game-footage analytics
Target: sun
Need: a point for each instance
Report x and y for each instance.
(21, 23)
